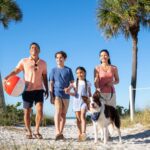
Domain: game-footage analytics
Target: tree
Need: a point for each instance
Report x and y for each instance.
(125, 17)
(9, 10)
(2, 100)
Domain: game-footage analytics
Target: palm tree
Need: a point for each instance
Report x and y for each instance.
(9, 10)
(2, 100)
(125, 17)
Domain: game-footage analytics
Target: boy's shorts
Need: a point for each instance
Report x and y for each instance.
(29, 97)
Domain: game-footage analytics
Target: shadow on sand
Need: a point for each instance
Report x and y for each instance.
(139, 137)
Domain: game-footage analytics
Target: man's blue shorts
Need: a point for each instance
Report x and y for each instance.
(30, 97)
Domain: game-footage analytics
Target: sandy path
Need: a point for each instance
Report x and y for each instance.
(135, 138)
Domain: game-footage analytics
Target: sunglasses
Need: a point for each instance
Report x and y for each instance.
(35, 64)
(35, 67)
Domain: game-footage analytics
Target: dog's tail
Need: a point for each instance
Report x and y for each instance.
(117, 120)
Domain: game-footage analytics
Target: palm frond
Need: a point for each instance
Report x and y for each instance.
(9, 10)
(122, 16)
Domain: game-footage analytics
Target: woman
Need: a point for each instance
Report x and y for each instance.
(105, 77)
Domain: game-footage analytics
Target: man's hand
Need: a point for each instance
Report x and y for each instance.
(52, 100)
(67, 90)
(46, 94)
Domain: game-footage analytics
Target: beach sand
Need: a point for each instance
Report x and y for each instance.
(135, 138)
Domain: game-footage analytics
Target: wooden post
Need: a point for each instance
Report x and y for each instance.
(131, 103)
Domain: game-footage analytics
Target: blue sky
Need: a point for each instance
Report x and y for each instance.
(71, 25)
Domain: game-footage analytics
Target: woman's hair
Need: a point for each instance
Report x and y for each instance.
(106, 51)
(37, 45)
(77, 81)
(62, 53)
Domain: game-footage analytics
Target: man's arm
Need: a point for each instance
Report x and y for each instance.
(14, 72)
(68, 89)
(51, 85)
(46, 85)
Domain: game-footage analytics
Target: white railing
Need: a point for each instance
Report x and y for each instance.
(131, 100)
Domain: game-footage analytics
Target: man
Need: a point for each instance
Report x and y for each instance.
(35, 75)
(60, 78)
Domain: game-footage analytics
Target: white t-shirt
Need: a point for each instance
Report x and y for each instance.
(82, 91)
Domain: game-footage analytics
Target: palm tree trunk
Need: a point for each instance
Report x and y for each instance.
(134, 66)
(2, 100)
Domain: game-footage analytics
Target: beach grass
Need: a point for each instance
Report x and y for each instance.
(141, 117)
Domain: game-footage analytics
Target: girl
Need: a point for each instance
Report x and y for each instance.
(81, 87)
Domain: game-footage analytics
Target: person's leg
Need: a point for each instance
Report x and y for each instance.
(57, 117)
(111, 102)
(39, 116)
(78, 117)
(27, 105)
(65, 104)
(83, 120)
(27, 112)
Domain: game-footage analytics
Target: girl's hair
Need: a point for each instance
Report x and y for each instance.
(77, 81)
(106, 51)
(37, 45)
(62, 53)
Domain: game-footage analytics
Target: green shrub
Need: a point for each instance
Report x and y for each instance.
(45, 121)
(88, 119)
(14, 116)
(122, 111)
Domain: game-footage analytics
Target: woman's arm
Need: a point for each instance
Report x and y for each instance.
(96, 79)
(116, 78)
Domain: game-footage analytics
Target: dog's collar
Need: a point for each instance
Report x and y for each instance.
(95, 116)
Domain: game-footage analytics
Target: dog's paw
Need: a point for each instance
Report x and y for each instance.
(95, 141)
(120, 141)
(102, 138)
(105, 141)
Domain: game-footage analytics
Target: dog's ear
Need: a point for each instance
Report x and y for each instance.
(85, 98)
(96, 94)
(96, 97)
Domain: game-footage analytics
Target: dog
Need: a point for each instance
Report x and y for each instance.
(102, 115)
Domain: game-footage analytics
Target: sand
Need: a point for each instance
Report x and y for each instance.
(135, 138)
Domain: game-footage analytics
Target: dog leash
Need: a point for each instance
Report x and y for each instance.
(110, 96)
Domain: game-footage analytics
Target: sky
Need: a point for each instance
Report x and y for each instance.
(71, 25)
